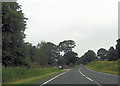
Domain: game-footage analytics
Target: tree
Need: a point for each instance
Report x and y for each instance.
(32, 51)
(78, 61)
(81, 60)
(42, 56)
(71, 57)
(102, 53)
(89, 56)
(118, 48)
(67, 45)
(62, 61)
(53, 52)
(112, 54)
(14, 25)
(46, 53)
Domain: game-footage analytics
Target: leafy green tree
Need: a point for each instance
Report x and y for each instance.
(46, 53)
(67, 45)
(41, 56)
(102, 53)
(81, 60)
(112, 54)
(88, 57)
(62, 61)
(78, 61)
(71, 57)
(14, 25)
(118, 48)
(32, 51)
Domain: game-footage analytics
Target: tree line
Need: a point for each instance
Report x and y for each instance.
(112, 54)
(17, 52)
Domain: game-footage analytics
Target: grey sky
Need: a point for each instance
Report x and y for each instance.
(92, 24)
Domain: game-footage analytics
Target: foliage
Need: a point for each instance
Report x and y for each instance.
(118, 48)
(112, 54)
(62, 61)
(87, 57)
(14, 25)
(71, 57)
(18, 53)
(46, 53)
(67, 45)
(102, 53)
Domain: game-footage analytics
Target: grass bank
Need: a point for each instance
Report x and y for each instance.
(104, 66)
(19, 74)
(26, 82)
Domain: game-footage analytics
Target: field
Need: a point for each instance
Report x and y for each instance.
(104, 66)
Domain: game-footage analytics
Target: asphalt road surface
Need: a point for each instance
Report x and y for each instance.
(81, 76)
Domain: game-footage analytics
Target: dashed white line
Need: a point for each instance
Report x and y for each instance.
(89, 78)
(81, 72)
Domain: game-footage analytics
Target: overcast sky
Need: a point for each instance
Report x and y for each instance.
(92, 24)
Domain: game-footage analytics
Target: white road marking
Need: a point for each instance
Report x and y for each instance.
(97, 83)
(53, 78)
(89, 78)
(81, 72)
(100, 72)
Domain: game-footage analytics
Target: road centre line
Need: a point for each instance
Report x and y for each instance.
(89, 78)
(81, 72)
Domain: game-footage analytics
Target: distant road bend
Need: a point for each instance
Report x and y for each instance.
(81, 76)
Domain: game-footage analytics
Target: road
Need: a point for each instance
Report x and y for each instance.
(81, 76)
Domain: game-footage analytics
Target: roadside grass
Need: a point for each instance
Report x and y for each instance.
(0, 68)
(18, 73)
(33, 80)
(104, 66)
(0, 74)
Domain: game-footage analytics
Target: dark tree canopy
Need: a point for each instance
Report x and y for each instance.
(118, 48)
(62, 61)
(88, 57)
(102, 53)
(14, 25)
(71, 57)
(112, 54)
(67, 45)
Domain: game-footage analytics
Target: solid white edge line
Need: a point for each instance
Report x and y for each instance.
(100, 72)
(53, 78)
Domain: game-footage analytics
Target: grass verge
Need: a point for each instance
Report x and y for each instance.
(33, 80)
(18, 73)
(104, 66)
